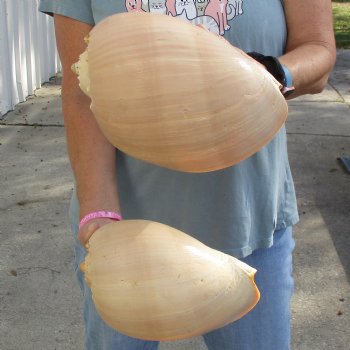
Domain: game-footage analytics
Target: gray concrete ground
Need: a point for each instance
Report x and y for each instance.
(39, 299)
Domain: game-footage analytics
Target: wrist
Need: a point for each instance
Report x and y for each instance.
(101, 214)
(280, 72)
(288, 87)
(91, 200)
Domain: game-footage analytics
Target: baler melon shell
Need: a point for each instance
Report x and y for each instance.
(173, 94)
(154, 282)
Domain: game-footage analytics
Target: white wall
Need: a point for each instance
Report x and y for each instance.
(28, 55)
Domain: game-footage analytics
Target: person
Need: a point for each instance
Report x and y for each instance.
(246, 210)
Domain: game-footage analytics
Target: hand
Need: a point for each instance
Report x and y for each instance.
(277, 70)
(200, 25)
(90, 228)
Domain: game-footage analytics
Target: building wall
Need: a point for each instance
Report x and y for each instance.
(28, 55)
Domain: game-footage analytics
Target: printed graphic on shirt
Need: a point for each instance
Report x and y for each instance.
(213, 14)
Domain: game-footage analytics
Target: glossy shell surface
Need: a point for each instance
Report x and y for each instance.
(176, 95)
(154, 282)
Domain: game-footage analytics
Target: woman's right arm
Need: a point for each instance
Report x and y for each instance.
(92, 157)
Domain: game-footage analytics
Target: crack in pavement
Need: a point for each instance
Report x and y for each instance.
(27, 270)
(315, 134)
(32, 125)
(338, 93)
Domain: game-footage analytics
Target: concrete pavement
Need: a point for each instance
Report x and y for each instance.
(39, 299)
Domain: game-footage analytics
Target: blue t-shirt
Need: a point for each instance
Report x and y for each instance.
(235, 210)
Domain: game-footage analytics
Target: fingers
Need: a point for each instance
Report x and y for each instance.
(86, 232)
(202, 26)
(90, 228)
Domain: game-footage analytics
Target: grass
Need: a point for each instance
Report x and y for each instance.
(341, 19)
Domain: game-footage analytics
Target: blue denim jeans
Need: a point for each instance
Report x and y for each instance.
(266, 327)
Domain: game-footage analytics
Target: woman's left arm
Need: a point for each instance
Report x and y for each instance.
(310, 52)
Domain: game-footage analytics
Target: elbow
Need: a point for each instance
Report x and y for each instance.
(320, 84)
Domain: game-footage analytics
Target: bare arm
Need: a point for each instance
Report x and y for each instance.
(92, 157)
(310, 53)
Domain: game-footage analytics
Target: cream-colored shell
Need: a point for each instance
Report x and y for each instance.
(174, 94)
(154, 282)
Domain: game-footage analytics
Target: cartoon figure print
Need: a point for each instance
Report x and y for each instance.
(218, 10)
(234, 8)
(223, 11)
(157, 6)
(201, 5)
(133, 5)
(186, 9)
(213, 14)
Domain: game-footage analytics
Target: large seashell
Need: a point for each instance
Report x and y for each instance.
(151, 281)
(173, 94)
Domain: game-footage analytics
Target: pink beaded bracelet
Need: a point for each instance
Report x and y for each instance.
(99, 214)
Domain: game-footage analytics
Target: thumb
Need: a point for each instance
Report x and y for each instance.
(90, 228)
